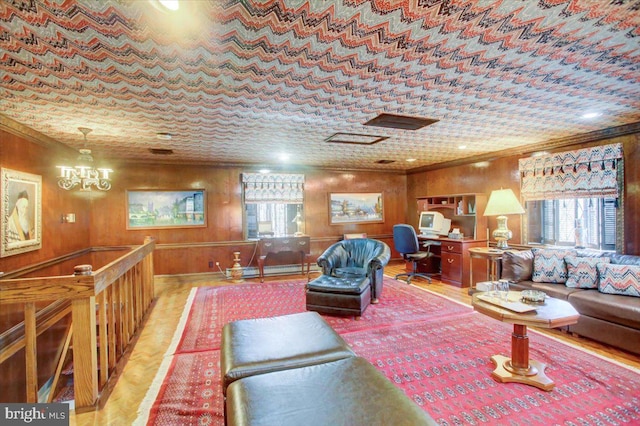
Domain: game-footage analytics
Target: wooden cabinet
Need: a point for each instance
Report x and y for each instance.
(464, 210)
(451, 262)
(454, 259)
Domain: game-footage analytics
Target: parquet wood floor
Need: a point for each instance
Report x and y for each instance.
(132, 383)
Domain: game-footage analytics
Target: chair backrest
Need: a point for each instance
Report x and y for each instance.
(405, 239)
(352, 236)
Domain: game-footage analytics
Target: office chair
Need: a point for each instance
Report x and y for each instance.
(405, 241)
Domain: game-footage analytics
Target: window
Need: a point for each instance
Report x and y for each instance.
(579, 222)
(572, 197)
(273, 204)
(271, 219)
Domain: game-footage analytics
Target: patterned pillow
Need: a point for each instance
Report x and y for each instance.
(549, 265)
(619, 279)
(583, 272)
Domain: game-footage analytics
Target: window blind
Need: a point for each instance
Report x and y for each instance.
(582, 173)
(273, 188)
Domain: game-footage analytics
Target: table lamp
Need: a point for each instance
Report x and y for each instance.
(501, 203)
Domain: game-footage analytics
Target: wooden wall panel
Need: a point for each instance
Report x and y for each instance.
(632, 194)
(58, 238)
(503, 173)
(224, 212)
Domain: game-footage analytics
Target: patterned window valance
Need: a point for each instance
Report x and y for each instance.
(583, 173)
(273, 188)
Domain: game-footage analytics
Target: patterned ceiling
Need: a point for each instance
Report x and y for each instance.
(246, 81)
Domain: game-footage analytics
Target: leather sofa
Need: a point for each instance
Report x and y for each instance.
(612, 319)
(356, 258)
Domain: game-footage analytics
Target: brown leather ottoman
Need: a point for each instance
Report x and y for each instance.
(349, 392)
(346, 296)
(263, 345)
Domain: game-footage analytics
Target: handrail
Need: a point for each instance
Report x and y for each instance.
(107, 306)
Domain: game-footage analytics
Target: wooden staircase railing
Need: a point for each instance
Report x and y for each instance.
(106, 306)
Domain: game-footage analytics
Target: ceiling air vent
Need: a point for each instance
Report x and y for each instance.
(355, 138)
(160, 151)
(385, 161)
(400, 122)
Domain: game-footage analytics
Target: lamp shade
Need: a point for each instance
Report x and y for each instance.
(502, 202)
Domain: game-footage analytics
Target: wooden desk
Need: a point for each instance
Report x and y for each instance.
(493, 257)
(519, 368)
(289, 244)
(454, 258)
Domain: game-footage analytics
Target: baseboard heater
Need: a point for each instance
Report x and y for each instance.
(253, 272)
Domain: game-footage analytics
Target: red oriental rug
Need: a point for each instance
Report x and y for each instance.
(436, 350)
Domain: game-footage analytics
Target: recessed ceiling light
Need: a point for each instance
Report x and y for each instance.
(170, 4)
(411, 160)
(589, 115)
(462, 147)
(164, 136)
(284, 156)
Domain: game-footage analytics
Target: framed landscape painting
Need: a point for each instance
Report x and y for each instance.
(166, 209)
(358, 207)
(21, 207)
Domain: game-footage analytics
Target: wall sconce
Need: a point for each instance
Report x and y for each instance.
(84, 174)
(502, 202)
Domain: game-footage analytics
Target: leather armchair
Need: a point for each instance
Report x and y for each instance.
(357, 257)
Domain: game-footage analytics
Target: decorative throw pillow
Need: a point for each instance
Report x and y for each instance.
(583, 272)
(619, 279)
(549, 265)
(517, 265)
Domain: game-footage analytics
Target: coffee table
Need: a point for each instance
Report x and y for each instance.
(519, 368)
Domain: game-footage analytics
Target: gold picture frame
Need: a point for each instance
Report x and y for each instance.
(21, 206)
(172, 208)
(356, 207)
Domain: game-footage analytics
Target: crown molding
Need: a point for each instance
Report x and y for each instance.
(15, 128)
(609, 133)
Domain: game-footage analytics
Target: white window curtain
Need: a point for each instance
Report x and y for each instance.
(582, 173)
(273, 188)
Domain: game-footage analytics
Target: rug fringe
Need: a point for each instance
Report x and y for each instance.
(152, 393)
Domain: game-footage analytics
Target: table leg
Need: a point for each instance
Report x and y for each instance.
(519, 368)
(472, 285)
(261, 267)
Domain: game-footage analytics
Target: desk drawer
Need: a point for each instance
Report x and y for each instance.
(449, 247)
(277, 245)
(451, 265)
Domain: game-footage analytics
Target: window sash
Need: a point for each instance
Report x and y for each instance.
(557, 221)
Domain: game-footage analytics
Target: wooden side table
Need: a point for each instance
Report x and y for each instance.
(291, 244)
(493, 257)
(519, 368)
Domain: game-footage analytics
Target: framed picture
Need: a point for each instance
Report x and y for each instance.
(166, 209)
(21, 206)
(359, 207)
